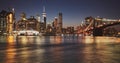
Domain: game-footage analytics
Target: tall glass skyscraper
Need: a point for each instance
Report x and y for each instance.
(60, 23)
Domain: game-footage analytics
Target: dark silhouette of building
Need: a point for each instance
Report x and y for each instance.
(3, 22)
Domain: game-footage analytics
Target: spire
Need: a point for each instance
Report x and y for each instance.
(13, 9)
(43, 8)
(44, 12)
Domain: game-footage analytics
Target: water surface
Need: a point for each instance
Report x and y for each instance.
(59, 49)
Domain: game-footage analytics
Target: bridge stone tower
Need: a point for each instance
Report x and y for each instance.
(96, 31)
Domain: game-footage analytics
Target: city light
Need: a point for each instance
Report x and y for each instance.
(60, 31)
(10, 18)
(10, 39)
(37, 26)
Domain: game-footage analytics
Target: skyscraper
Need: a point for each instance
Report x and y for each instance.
(39, 22)
(10, 23)
(7, 19)
(44, 17)
(43, 22)
(38, 18)
(55, 24)
(3, 22)
(60, 23)
(14, 19)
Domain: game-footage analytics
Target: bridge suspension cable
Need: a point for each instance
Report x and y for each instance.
(91, 23)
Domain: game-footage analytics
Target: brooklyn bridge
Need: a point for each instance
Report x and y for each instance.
(97, 26)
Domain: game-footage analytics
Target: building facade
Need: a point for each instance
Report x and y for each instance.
(6, 22)
(43, 23)
(60, 23)
(27, 24)
(3, 22)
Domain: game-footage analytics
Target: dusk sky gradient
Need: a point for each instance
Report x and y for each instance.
(74, 11)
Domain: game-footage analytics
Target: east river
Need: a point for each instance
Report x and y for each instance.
(59, 49)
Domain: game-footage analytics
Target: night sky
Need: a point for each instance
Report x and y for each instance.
(74, 11)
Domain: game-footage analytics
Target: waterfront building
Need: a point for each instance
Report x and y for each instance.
(55, 25)
(70, 30)
(55, 22)
(49, 28)
(33, 24)
(10, 23)
(7, 19)
(27, 24)
(38, 18)
(3, 22)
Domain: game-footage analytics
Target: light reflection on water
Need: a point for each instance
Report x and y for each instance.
(89, 39)
(59, 49)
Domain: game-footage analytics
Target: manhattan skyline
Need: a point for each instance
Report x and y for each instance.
(74, 11)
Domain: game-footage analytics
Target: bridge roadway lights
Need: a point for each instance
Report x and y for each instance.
(98, 32)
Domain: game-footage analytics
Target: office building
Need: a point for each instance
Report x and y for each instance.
(3, 22)
(60, 23)
(7, 19)
(27, 24)
(43, 23)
